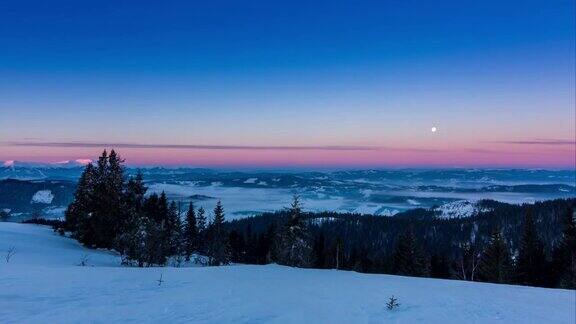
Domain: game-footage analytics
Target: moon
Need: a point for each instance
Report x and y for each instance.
(434, 129)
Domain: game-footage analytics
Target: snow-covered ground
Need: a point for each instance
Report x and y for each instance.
(43, 283)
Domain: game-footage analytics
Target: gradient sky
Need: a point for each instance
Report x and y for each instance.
(284, 84)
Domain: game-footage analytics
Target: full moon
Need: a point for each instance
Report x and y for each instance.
(433, 129)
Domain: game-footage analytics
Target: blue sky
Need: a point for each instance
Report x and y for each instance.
(262, 73)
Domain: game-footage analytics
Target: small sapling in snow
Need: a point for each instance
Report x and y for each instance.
(392, 303)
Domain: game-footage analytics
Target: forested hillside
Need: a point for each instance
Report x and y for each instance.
(444, 248)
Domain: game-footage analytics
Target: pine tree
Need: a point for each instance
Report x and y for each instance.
(201, 224)
(201, 219)
(130, 241)
(409, 260)
(319, 251)
(99, 209)
(190, 232)
(531, 261)
(237, 247)
(107, 210)
(133, 243)
(158, 223)
(162, 209)
(293, 246)
(439, 267)
(495, 263)
(564, 256)
(218, 245)
(155, 245)
(115, 183)
(79, 211)
(172, 231)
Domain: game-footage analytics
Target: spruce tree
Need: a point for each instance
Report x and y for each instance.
(107, 216)
(409, 260)
(218, 246)
(155, 244)
(439, 267)
(116, 185)
(162, 209)
(201, 219)
(531, 261)
(293, 246)
(495, 263)
(132, 234)
(563, 269)
(172, 231)
(79, 211)
(100, 204)
(319, 251)
(157, 228)
(201, 224)
(190, 232)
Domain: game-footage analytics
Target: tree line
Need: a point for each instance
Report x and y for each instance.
(505, 245)
(112, 212)
(508, 244)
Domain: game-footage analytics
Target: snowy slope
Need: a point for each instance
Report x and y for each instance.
(459, 208)
(43, 284)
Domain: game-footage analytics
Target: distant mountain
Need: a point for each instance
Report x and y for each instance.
(45, 198)
(65, 170)
(376, 192)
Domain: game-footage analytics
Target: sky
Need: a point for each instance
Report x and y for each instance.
(290, 83)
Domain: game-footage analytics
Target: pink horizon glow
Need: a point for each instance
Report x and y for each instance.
(509, 156)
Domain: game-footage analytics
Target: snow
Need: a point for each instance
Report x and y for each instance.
(459, 208)
(388, 212)
(43, 283)
(43, 197)
(54, 212)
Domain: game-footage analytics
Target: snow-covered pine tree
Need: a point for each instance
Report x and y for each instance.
(293, 247)
(495, 262)
(531, 261)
